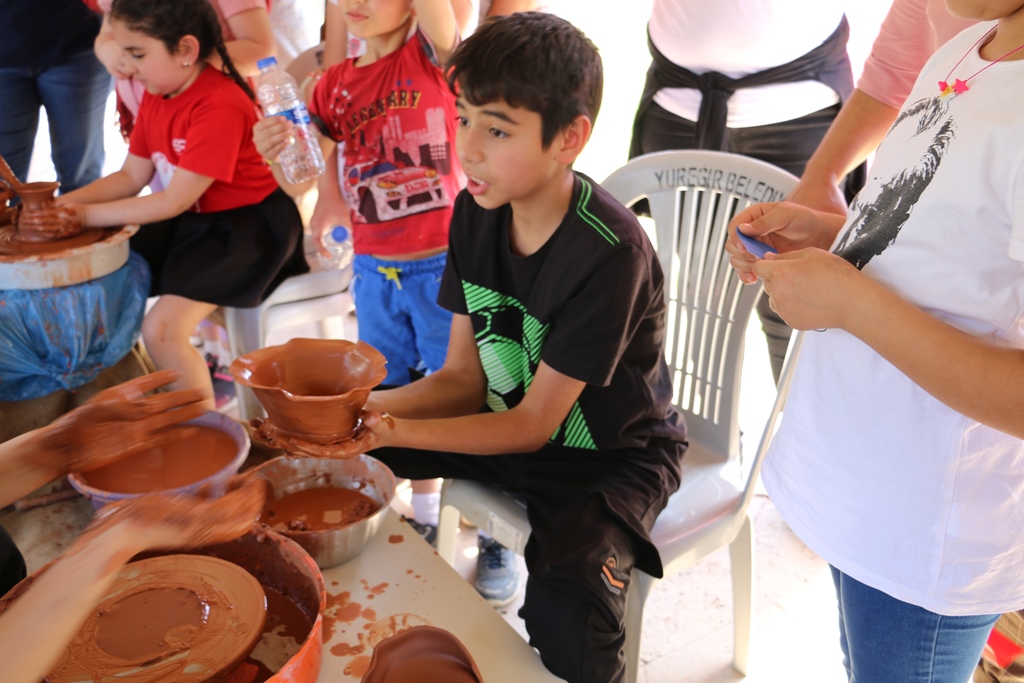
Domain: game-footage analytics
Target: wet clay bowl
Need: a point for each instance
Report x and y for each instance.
(291, 647)
(296, 481)
(36, 196)
(187, 618)
(312, 389)
(422, 654)
(209, 451)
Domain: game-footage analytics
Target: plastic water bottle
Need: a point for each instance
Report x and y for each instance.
(278, 94)
(338, 242)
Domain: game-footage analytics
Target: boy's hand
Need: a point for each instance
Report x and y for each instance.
(165, 520)
(271, 135)
(374, 430)
(53, 222)
(118, 421)
(810, 288)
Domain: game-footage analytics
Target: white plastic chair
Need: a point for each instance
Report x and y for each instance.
(320, 297)
(692, 196)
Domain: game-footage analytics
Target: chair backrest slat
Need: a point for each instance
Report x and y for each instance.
(692, 195)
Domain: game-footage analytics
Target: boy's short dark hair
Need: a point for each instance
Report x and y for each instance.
(532, 60)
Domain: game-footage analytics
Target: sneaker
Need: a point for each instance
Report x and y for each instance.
(427, 531)
(497, 577)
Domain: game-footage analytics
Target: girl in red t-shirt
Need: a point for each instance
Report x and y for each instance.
(222, 233)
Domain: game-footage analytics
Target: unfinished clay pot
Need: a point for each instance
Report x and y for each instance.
(312, 389)
(36, 196)
(422, 654)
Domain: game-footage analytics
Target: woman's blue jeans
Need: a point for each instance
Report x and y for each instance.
(886, 640)
(74, 94)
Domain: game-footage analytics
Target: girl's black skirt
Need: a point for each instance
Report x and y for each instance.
(230, 258)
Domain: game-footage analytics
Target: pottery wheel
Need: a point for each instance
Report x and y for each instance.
(186, 618)
(11, 244)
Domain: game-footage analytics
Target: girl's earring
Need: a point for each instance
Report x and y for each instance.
(186, 64)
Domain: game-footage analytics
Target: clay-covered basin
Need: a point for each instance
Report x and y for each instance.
(312, 389)
(210, 450)
(297, 479)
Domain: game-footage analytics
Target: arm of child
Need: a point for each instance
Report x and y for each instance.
(270, 135)
(441, 411)
(437, 21)
(254, 40)
(854, 134)
(135, 174)
(108, 52)
(335, 35)
(813, 289)
(36, 627)
(331, 207)
(502, 7)
(184, 191)
(112, 424)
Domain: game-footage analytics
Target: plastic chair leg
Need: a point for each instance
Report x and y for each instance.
(447, 533)
(640, 587)
(741, 557)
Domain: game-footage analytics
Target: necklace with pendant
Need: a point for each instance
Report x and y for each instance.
(958, 86)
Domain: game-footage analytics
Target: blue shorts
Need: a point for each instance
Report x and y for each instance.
(398, 313)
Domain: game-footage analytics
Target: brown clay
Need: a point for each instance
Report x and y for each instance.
(14, 242)
(422, 654)
(8, 175)
(318, 509)
(194, 454)
(312, 389)
(39, 197)
(187, 618)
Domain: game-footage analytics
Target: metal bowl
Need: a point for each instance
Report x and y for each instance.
(330, 547)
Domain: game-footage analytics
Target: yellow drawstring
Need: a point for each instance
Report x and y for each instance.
(390, 273)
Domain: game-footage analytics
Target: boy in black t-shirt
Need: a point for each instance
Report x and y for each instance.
(555, 366)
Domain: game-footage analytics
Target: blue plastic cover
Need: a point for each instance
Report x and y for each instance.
(61, 338)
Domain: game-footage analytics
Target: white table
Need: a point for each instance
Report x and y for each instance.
(399, 578)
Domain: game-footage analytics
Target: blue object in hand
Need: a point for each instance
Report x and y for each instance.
(756, 246)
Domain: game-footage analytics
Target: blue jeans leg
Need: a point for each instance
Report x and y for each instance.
(885, 640)
(20, 119)
(75, 96)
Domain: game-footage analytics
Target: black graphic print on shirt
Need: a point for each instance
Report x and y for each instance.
(882, 209)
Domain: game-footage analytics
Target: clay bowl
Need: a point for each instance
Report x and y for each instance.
(281, 567)
(312, 389)
(187, 465)
(190, 618)
(422, 654)
(36, 196)
(336, 545)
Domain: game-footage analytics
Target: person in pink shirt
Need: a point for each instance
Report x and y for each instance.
(911, 32)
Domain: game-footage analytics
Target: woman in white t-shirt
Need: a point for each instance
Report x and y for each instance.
(900, 460)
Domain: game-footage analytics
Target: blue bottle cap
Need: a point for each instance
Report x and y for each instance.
(266, 63)
(339, 233)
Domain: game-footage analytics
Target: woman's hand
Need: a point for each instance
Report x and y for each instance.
(811, 288)
(373, 431)
(785, 226)
(118, 421)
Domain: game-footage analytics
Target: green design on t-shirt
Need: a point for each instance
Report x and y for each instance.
(510, 364)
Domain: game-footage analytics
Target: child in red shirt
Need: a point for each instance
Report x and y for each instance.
(392, 175)
(222, 233)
